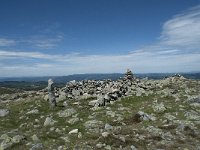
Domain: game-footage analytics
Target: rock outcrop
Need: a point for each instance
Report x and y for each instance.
(128, 113)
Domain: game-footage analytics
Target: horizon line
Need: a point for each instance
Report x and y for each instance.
(99, 73)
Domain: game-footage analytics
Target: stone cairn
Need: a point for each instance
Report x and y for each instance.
(100, 92)
(128, 75)
(51, 94)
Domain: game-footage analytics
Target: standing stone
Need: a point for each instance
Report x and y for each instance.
(52, 99)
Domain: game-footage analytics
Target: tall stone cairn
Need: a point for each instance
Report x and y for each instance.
(52, 99)
(128, 75)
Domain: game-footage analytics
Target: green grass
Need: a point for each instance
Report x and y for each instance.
(7, 90)
(131, 105)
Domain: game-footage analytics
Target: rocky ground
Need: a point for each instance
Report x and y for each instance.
(140, 114)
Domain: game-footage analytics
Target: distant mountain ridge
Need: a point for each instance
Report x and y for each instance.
(113, 76)
(61, 79)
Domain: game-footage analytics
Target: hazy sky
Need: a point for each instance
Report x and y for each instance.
(62, 37)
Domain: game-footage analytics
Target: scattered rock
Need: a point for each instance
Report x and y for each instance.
(133, 147)
(61, 97)
(100, 145)
(46, 97)
(159, 108)
(105, 134)
(79, 135)
(67, 113)
(74, 131)
(141, 116)
(169, 116)
(66, 139)
(93, 124)
(73, 120)
(175, 126)
(8, 142)
(108, 127)
(17, 138)
(154, 131)
(58, 130)
(93, 103)
(49, 121)
(193, 115)
(195, 99)
(35, 138)
(65, 103)
(111, 113)
(34, 111)
(37, 146)
(4, 112)
(108, 147)
(122, 138)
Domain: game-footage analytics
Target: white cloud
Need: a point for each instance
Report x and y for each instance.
(6, 42)
(183, 30)
(143, 62)
(15, 54)
(37, 55)
(43, 41)
(176, 51)
(40, 41)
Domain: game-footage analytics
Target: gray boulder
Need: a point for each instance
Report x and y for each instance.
(8, 142)
(75, 92)
(73, 120)
(107, 97)
(49, 121)
(34, 111)
(4, 112)
(93, 103)
(62, 97)
(142, 116)
(101, 101)
(93, 124)
(67, 113)
(108, 127)
(37, 146)
(159, 108)
(195, 99)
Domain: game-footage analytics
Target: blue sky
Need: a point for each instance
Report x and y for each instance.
(49, 37)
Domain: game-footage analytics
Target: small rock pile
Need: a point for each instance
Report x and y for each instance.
(8, 142)
(101, 92)
(129, 75)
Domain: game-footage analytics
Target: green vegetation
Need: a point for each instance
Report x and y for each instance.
(22, 85)
(120, 114)
(4, 90)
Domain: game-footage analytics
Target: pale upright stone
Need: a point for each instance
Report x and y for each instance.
(52, 99)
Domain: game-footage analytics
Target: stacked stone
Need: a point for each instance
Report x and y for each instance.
(128, 75)
(103, 91)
